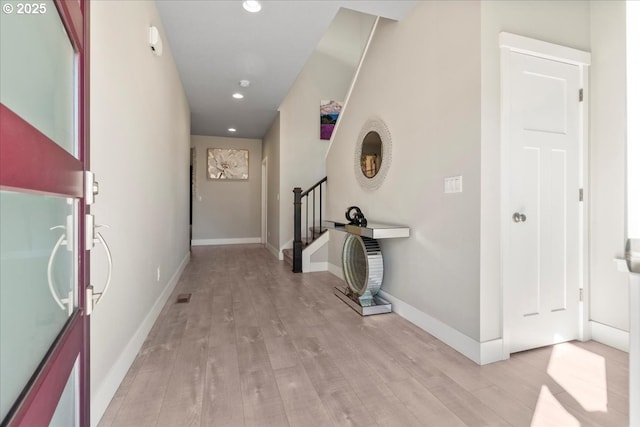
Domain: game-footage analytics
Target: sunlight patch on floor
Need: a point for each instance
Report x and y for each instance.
(550, 412)
(568, 365)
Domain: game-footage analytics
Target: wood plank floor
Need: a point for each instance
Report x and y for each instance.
(260, 346)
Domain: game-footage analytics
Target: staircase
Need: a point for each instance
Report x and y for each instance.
(288, 253)
(311, 202)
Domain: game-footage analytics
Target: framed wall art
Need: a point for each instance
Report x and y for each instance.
(329, 113)
(227, 164)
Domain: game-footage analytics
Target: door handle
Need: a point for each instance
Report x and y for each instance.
(519, 217)
(68, 301)
(92, 297)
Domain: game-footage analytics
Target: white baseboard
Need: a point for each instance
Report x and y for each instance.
(481, 353)
(275, 252)
(215, 242)
(610, 336)
(105, 391)
(312, 267)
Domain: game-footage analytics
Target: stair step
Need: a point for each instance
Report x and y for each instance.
(288, 255)
(318, 229)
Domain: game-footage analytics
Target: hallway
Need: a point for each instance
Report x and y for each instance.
(260, 346)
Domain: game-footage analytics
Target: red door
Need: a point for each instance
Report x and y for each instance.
(44, 271)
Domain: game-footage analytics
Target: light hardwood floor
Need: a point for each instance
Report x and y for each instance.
(261, 346)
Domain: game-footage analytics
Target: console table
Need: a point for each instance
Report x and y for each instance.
(362, 265)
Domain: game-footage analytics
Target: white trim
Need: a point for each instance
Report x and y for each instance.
(214, 242)
(514, 43)
(309, 266)
(102, 397)
(634, 346)
(353, 83)
(264, 201)
(584, 331)
(316, 266)
(608, 335)
(275, 252)
(481, 353)
(526, 45)
(505, 106)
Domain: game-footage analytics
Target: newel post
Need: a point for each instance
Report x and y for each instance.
(297, 230)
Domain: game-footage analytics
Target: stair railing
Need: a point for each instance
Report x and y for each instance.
(309, 198)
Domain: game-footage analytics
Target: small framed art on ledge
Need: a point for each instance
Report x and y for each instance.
(227, 163)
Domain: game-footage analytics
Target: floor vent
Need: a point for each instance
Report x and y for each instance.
(183, 298)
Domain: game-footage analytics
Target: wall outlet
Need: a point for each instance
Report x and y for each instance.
(453, 184)
(157, 273)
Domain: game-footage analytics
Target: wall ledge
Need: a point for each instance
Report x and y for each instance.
(105, 392)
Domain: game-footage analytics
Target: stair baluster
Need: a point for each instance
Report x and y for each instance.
(298, 197)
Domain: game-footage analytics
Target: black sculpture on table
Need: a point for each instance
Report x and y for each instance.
(355, 216)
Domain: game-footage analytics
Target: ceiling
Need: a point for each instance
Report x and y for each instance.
(216, 44)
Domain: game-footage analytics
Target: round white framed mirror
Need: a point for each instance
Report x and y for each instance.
(373, 154)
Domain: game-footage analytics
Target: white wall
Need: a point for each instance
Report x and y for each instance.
(327, 75)
(441, 101)
(227, 211)
(561, 22)
(609, 288)
(140, 154)
(271, 152)
(422, 77)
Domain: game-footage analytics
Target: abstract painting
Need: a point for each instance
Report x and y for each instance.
(227, 163)
(329, 112)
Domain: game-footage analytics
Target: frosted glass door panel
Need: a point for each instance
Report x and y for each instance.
(67, 411)
(37, 69)
(32, 311)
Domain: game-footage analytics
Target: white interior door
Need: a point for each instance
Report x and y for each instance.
(541, 263)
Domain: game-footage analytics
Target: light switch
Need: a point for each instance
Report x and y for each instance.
(453, 184)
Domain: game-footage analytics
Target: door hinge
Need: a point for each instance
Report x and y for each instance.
(580, 195)
(91, 188)
(90, 232)
(581, 295)
(581, 95)
(91, 299)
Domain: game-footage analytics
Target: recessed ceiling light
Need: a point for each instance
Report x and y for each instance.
(232, 129)
(244, 83)
(238, 95)
(252, 6)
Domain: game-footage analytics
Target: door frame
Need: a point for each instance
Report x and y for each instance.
(511, 43)
(264, 200)
(39, 399)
